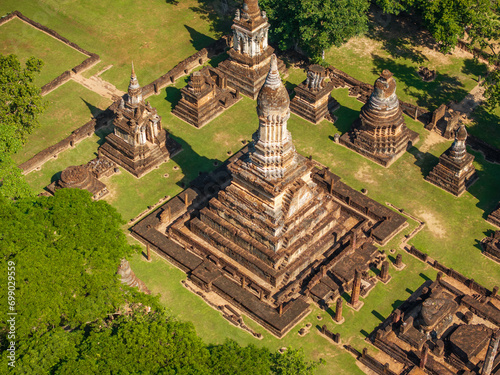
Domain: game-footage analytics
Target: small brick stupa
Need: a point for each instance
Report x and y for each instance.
(313, 100)
(138, 142)
(380, 132)
(248, 63)
(79, 177)
(205, 97)
(455, 171)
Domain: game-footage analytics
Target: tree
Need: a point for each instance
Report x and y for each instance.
(449, 20)
(20, 105)
(293, 362)
(315, 25)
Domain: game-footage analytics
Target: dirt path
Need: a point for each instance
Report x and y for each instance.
(471, 101)
(98, 85)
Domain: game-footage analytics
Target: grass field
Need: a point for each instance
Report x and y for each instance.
(68, 107)
(23, 40)
(156, 34)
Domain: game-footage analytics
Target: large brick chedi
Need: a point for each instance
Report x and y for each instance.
(455, 171)
(272, 228)
(138, 142)
(313, 100)
(380, 133)
(248, 63)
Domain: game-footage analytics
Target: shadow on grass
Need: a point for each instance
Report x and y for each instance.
(219, 14)
(191, 163)
(199, 40)
(486, 125)
(173, 95)
(474, 67)
(424, 276)
(485, 189)
(396, 304)
(56, 177)
(93, 109)
(378, 315)
(424, 160)
(364, 333)
(400, 35)
(216, 60)
(430, 95)
(345, 117)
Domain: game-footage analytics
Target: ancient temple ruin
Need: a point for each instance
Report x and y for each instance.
(380, 132)
(248, 63)
(128, 277)
(313, 100)
(138, 142)
(494, 217)
(271, 229)
(445, 327)
(491, 246)
(455, 171)
(205, 97)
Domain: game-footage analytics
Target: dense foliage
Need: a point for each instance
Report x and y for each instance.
(20, 105)
(74, 315)
(449, 20)
(315, 25)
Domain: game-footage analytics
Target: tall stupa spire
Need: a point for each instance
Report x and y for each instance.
(274, 153)
(134, 89)
(458, 149)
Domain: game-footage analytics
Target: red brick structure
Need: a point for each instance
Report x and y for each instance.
(205, 97)
(380, 133)
(494, 217)
(248, 63)
(445, 327)
(273, 228)
(79, 177)
(313, 100)
(491, 246)
(138, 142)
(455, 171)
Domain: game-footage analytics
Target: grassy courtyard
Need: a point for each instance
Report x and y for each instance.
(155, 34)
(68, 107)
(23, 40)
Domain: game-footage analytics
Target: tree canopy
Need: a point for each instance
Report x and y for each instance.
(20, 105)
(315, 25)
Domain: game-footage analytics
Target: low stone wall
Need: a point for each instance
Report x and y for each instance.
(471, 283)
(70, 141)
(56, 82)
(477, 52)
(185, 67)
(362, 91)
(370, 362)
(64, 77)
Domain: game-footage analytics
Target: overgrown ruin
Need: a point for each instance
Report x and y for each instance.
(380, 132)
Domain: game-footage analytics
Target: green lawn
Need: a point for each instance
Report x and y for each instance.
(154, 34)
(84, 151)
(23, 40)
(68, 107)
